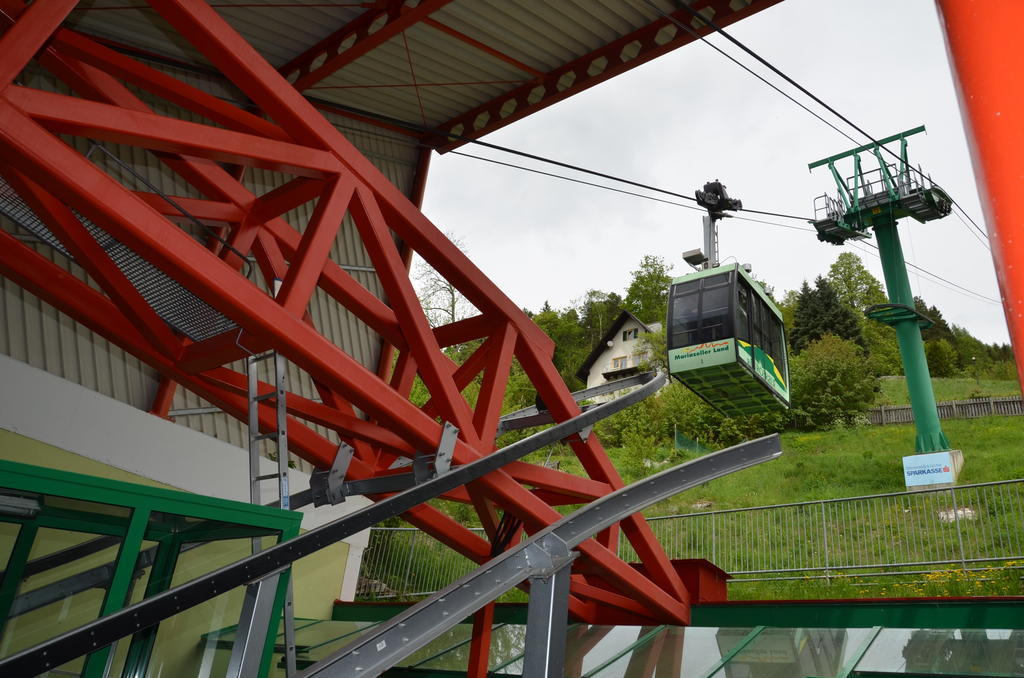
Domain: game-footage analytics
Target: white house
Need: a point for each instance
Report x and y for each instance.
(619, 353)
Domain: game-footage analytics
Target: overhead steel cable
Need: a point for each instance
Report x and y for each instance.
(711, 24)
(633, 193)
(937, 279)
(427, 130)
(980, 235)
(736, 61)
(575, 181)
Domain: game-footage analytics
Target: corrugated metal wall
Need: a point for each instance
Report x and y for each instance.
(39, 335)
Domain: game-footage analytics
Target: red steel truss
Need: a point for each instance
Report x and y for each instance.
(57, 182)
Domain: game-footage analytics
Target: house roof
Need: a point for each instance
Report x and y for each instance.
(602, 345)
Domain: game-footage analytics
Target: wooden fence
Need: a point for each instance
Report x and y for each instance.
(1007, 406)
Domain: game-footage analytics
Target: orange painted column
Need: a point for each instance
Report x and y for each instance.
(984, 42)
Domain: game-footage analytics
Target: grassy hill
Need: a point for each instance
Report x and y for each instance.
(863, 461)
(856, 461)
(894, 389)
(830, 465)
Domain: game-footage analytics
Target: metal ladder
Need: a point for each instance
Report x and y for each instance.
(280, 438)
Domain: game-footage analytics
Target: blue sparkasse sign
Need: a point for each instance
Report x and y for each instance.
(928, 469)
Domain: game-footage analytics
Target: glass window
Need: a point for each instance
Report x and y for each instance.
(757, 321)
(688, 287)
(714, 319)
(66, 578)
(685, 320)
(742, 304)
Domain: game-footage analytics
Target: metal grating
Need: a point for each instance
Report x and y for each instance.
(177, 306)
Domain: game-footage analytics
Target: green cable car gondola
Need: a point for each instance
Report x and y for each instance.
(726, 341)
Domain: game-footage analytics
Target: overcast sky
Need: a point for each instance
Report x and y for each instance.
(691, 116)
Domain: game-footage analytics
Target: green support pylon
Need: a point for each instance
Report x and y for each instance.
(930, 437)
(875, 200)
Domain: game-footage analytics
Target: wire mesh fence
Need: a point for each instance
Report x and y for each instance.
(403, 562)
(872, 536)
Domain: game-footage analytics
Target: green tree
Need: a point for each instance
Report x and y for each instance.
(686, 412)
(941, 356)
(883, 349)
(647, 294)
(854, 284)
(571, 345)
(819, 312)
(857, 289)
(830, 386)
(972, 353)
(940, 329)
(655, 346)
(788, 309)
(597, 311)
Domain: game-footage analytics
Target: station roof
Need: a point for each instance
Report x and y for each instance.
(465, 67)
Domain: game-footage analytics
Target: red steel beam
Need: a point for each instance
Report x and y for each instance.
(164, 397)
(35, 25)
(62, 290)
(653, 40)
(70, 115)
(244, 66)
(492, 390)
(315, 245)
(984, 48)
(419, 187)
(204, 210)
(88, 51)
(370, 30)
(100, 198)
(382, 213)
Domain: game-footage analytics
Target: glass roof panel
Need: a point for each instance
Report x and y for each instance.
(794, 653)
(949, 652)
(675, 651)
(665, 652)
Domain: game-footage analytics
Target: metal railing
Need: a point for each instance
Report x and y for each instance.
(403, 562)
(871, 536)
(883, 534)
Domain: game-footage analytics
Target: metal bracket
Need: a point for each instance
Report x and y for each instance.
(446, 449)
(328, 486)
(547, 556)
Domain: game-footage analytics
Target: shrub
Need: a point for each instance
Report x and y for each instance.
(830, 384)
(699, 421)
